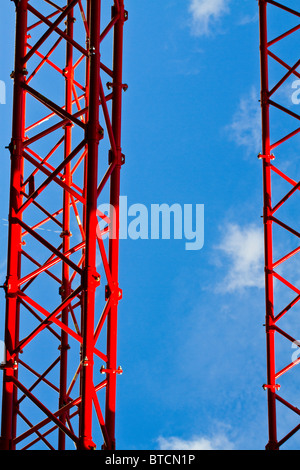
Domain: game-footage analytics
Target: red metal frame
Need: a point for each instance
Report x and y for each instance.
(271, 221)
(60, 316)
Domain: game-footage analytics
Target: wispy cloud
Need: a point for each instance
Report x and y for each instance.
(245, 128)
(218, 442)
(247, 19)
(242, 252)
(206, 14)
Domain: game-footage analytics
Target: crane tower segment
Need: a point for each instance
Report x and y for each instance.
(279, 37)
(62, 287)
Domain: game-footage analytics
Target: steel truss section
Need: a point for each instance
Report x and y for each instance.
(62, 288)
(280, 283)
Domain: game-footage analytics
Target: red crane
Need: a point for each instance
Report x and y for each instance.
(62, 288)
(280, 318)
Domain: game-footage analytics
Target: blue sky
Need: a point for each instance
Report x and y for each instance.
(191, 336)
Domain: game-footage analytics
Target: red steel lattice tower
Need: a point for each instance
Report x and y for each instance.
(62, 288)
(281, 227)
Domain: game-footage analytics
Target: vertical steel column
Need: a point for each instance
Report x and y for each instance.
(267, 219)
(14, 245)
(117, 86)
(90, 277)
(66, 233)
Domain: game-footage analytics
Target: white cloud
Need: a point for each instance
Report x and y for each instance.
(218, 442)
(247, 19)
(205, 14)
(243, 250)
(245, 128)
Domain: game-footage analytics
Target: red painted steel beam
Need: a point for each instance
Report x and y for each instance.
(9, 409)
(269, 87)
(90, 274)
(65, 329)
(114, 292)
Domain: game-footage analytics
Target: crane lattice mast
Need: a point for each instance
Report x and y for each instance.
(62, 288)
(280, 187)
